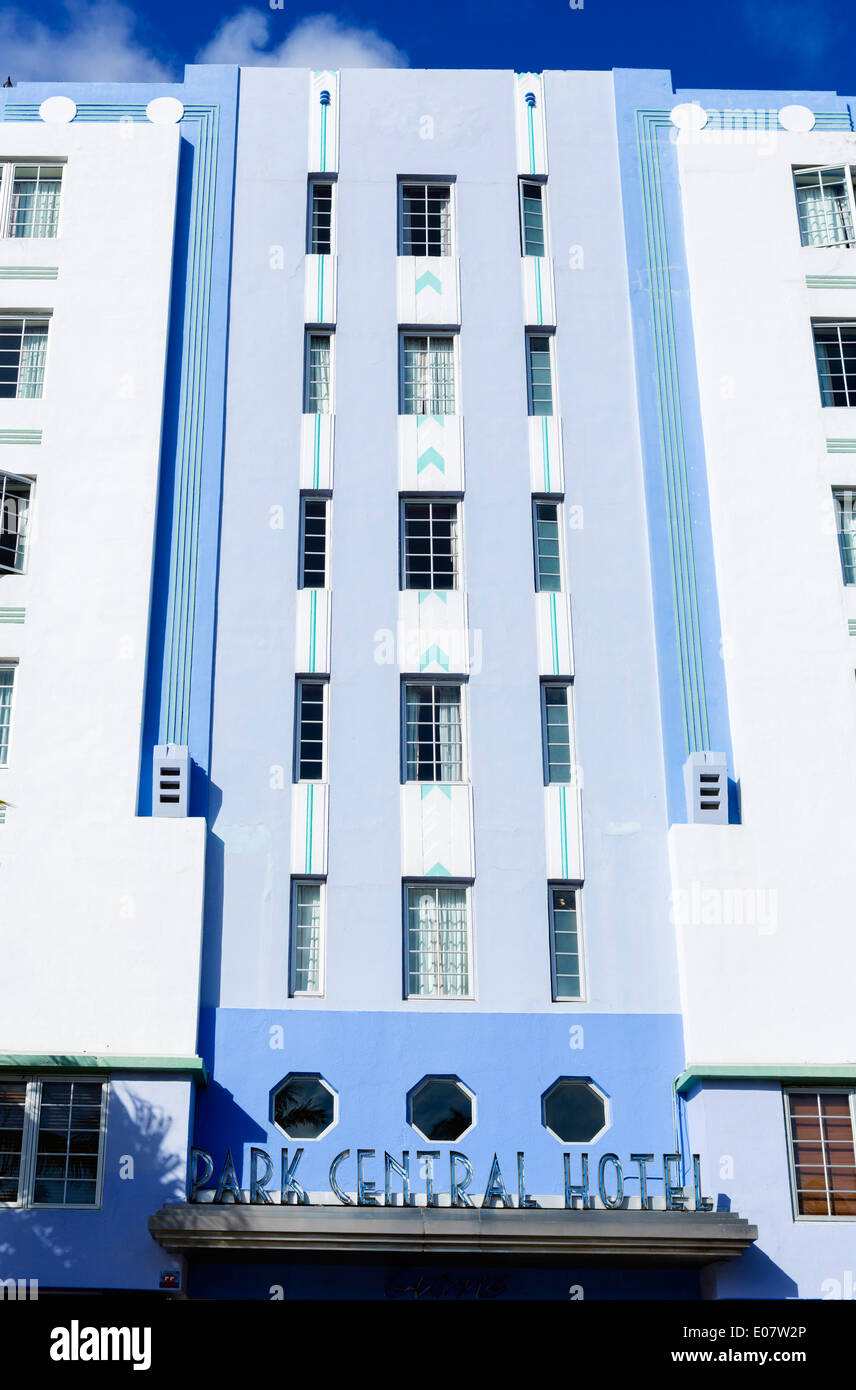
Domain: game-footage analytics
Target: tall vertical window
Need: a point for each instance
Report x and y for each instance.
(7, 683)
(845, 513)
(565, 953)
(428, 374)
(51, 1142)
(425, 219)
(438, 942)
(319, 374)
(14, 514)
(532, 237)
(835, 349)
(313, 542)
(825, 206)
(307, 971)
(430, 550)
(433, 733)
(822, 1140)
(557, 732)
(34, 201)
(311, 728)
(23, 349)
(539, 373)
(320, 219)
(548, 560)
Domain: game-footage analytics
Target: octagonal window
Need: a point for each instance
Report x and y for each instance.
(574, 1110)
(441, 1108)
(303, 1106)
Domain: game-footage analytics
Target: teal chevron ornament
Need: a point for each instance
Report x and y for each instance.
(427, 789)
(429, 458)
(434, 655)
(432, 593)
(438, 420)
(427, 281)
(438, 871)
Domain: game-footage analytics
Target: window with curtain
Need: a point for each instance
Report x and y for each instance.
(822, 1139)
(313, 543)
(438, 942)
(557, 732)
(7, 684)
(433, 734)
(426, 219)
(14, 513)
(319, 371)
(539, 373)
(51, 1142)
(845, 511)
(307, 939)
(835, 349)
(428, 374)
(532, 238)
(320, 217)
(310, 731)
(825, 206)
(23, 349)
(566, 957)
(548, 565)
(430, 545)
(34, 205)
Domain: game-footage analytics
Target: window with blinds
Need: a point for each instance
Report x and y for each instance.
(428, 374)
(539, 373)
(532, 224)
(318, 390)
(565, 943)
(825, 205)
(822, 1141)
(438, 942)
(30, 197)
(7, 686)
(51, 1142)
(23, 351)
(307, 938)
(433, 733)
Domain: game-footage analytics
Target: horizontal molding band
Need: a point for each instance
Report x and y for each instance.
(12, 615)
(783, 1072)
(841, 446)
(102, 1061)
(20, 436)
(28, 272)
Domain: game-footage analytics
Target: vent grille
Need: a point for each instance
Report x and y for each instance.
(170, 790)
(706, 783)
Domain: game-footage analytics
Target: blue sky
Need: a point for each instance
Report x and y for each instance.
(776, 44)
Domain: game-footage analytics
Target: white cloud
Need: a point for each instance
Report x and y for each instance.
(98, 43)
(319, 41)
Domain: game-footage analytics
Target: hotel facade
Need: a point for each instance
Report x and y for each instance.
(427, 779)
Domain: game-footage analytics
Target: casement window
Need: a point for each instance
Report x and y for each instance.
(556, 723)
(533, 240)
(845, 515)
(822, 1145)
(539, 373)
(425, 219)
(23, 349)
(565, 942)
(547, 545)
(835, 350)
(825, 205)
(29, 198)
(430, 545)
(318, 393)
(314, 514)
(438, 942)
(7, 687)
(15, 498)
(307, 937)
(428, 374)
(319, 238)
(433, 733)
(311, 727)
(51, 1142)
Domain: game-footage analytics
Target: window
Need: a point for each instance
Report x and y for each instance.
(539, 374)
(441, 1109)
(34, 191)
(428, 374)
(438, 942)
(825, 206)
(23, 348)
(845, 513)
(319, 374)
(821, 1133)
(320, 230)
(548, 564)
(311, 700)
(532, 238)
(51, 1142)
(313, 543)
(574, 1110)
(430, 550)
(307, 970)
(7, 682)
(426, 219)
(304, 1106)
(15, 496)
(433, 733)
(835, 349)
(557, 732)
(565, 954)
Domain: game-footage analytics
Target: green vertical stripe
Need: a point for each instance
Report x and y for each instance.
(323, 139)
(563, 831)
(310, 813)
(316, 466)
(545, 452)
(554, 634)
(313, 609)
(530, 113)
(538, 299)
(320, 309)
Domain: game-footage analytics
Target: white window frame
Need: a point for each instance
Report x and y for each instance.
(433, 885)
(309, 334)
(542, 184)
(299, 683)
(326, 498)
(429, 499)
(31, 484)
(429, 332)
(328, 181)
(568, 686)
(851, 197)
(556, 502)
(10, 664)
(575, 887)
(813, 1090)
(554, 399)
(443, 180)
(321, 884)
(26, 316)
(435, 680)
(7, 183)
(29, 1143)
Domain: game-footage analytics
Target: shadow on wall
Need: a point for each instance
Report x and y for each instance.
(752, 1275)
